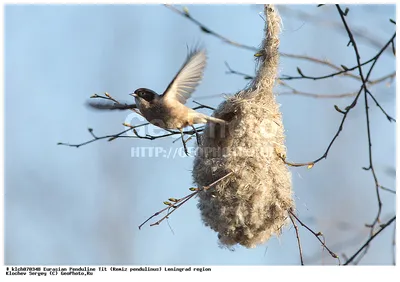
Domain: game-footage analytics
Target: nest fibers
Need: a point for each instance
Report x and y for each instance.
(252, 204)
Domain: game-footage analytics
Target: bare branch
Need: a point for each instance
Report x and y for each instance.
(317, 235)
(95, 138)
(387, 189)
(298, 238)
(346, 112)
(133, 127)
(177, 203)
(361, 33)
(205, 29)
(366, 244)
(366, 92)
(314, 95)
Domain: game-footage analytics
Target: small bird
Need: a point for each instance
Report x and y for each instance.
(168, 110)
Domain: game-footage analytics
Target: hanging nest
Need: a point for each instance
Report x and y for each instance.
(252, 204)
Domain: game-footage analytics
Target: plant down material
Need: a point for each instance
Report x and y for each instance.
(252, 204)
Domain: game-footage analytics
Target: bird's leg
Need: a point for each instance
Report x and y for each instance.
(197, 135)
(184, 142)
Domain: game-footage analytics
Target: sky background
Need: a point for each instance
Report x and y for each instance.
(83, 206)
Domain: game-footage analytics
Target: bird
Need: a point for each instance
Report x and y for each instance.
(168, 110)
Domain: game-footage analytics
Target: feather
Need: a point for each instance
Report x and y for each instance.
(188, 77)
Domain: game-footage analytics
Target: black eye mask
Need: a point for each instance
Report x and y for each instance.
(147, 95)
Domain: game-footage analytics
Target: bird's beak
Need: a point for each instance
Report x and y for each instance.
(134, 95)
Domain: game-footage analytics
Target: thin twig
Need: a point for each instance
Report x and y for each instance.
(317, 235)
(107, 96)
(345, 112)
(387, 189)
(293, 90)
(298, 238)
(341, 70)
(314, 95)
(133, 127)
(380, 107)
(366, 244)
(179, 202)
(95, 138)
(316, 19)
(170, 133)
(185, 13)
(205, 29)
(203, 106)
(366, 92)
(340, 245)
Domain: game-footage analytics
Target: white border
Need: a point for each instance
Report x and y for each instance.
(233, 273)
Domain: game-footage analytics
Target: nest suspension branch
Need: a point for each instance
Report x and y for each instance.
(252, 204)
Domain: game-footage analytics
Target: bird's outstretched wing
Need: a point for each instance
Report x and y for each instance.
(110, 106)
(188, 77)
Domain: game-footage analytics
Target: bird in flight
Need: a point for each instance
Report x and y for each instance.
(168, 110)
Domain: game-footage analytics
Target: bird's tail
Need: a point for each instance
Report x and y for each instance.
(198, 118)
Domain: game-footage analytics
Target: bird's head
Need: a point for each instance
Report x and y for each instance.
(145, 94)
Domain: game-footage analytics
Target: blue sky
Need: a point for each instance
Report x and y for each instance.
(83, 206)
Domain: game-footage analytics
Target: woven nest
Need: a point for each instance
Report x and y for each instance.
(252, 204)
